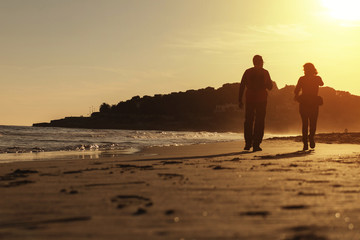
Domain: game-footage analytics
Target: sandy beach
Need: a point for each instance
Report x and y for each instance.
(208, 191)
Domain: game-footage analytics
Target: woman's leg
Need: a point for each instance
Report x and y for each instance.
(313, 121)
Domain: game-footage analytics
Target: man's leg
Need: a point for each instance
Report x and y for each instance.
(248, 125)
(259, 125)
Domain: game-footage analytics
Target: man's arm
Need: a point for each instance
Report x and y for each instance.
(242, 89)
(268, 81)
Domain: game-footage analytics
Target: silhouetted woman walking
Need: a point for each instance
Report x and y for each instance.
(309, 102)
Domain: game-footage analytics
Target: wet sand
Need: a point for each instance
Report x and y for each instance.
(210, 191)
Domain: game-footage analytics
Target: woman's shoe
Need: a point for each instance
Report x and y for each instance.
(306, 147)
(312, 142)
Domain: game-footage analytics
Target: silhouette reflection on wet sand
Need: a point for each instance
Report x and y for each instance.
(194, 157)
(286, 155)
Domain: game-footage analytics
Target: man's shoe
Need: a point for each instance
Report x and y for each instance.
(257, 149)
(247, 147)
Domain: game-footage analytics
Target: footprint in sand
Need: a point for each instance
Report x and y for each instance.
(219, 167)
(306, 232)
(170, 212)
(31, 225)
(255, 213)
(294, 207)
(129, 167)
(71, 192)
(174, 176)
(73, 172)
(86, 170)
(16, 183)
(124, 201)
(171, 162)
(18, 173)
(167, 176)
(310, 194)
(140, 211)
(307, 236)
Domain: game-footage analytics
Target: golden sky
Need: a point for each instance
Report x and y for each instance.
(61, 57)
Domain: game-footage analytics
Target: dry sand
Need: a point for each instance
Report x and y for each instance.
(210, 191)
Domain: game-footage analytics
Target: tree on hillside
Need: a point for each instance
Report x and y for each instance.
(105, 108)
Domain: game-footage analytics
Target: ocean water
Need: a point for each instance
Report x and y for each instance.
(20, 143)
(18, 139)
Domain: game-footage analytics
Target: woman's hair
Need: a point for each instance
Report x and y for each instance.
(310, 69)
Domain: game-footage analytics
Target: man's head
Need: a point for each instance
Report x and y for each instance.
(258, 61)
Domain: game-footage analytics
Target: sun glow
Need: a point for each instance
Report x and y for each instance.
(348, 10)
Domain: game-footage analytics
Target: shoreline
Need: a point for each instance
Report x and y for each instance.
(328, 138)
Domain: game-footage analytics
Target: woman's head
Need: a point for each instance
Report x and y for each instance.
(309, 69)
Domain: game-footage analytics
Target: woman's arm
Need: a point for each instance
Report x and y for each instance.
(297, 88)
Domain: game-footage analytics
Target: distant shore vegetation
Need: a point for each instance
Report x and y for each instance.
(211, 109)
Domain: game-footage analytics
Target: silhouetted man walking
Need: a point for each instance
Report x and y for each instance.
(256, 80)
